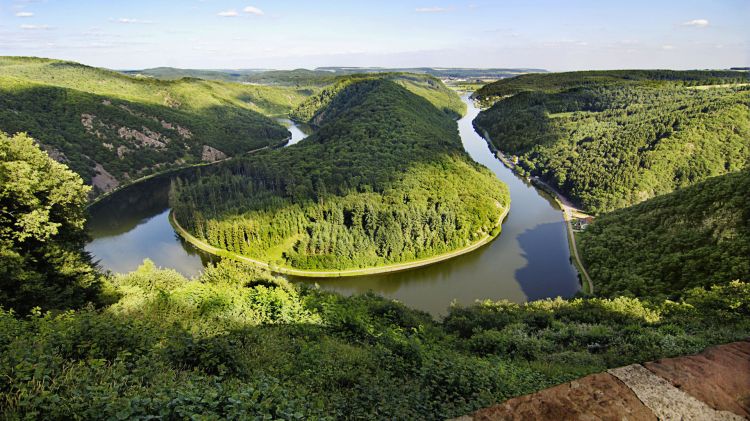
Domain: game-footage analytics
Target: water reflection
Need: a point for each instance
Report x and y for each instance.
(539, 246)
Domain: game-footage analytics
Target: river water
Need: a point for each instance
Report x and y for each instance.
(529, 260)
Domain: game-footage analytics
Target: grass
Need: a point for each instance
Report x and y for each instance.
(191, 93)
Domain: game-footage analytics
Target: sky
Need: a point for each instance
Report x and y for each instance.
(227, 34)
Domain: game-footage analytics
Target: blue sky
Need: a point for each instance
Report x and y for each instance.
(556, 35)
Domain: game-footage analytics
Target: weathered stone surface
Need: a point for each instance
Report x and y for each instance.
(713, 385)
(666, 401)
(719, 376)
(103, 180)
(595, 397)
(143, 138)
(210, 154)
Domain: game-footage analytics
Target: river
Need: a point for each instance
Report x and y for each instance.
(529, 260)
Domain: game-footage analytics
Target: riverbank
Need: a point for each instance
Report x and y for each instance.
(569, 210)
(182, 168)
(398, 267)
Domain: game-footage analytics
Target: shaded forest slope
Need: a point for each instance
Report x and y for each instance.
(612, 139)
(111, 128)
(693, 237)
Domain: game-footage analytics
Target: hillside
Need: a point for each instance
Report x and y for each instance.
(174, 73)
(612, 139)
(694, 237)
(111, 128)
(558, 82)
(384, 180)
(238, 343)
(433, 90)
(441, 72)
(320, 76)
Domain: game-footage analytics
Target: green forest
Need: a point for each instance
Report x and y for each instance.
(111, 128)
(311, 110)
(383, 180)
(693, 237)
(237, 342)
(612, 139)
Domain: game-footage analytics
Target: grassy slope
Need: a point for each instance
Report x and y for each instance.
(612, 139)
(384, 180)
(696, 236)
(54, 100)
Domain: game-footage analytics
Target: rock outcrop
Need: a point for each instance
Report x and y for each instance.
(211, 154)
(103, 180)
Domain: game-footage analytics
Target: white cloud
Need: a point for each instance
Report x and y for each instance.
(34, 27)
(24, 14)
(667, 47)
(133, 21)
(253, 11)
(700, 23)
(430, 9)
(228, 14)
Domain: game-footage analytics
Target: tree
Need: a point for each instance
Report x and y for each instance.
(42, 216)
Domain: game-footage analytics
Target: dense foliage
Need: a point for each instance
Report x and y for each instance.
(696, 236)
(384, 180)
(42, 262)
(240, 344)
(313, 109)
(102, 123)
(612, 139)
(558, 82)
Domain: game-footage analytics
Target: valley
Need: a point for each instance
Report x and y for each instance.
(371, 237)
(507, 267)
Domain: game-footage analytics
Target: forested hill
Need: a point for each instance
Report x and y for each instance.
(694, 237)
(557, 82)
(111, 128)
(612, 139)
(312, 110)
(384, 180)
